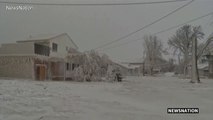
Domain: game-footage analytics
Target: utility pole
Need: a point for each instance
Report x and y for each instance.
(143, 68)
(195, 75)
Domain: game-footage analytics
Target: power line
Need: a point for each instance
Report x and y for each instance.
(144, 27)
(128, 42)
(211, 13)
(90, 4)
(173, 27)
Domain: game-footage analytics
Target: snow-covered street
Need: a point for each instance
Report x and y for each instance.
(136, 98)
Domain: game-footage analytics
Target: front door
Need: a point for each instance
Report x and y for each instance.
(41, 72)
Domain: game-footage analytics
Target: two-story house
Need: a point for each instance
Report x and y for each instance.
(37, 58)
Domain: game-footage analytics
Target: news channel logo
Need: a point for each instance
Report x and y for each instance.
(18, 7)
(183, 110)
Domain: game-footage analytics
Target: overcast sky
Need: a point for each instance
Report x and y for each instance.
(92, 26)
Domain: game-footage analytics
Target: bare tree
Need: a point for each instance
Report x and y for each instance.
(182, 42)
(196, 35)
(91, 67)
(153, 50)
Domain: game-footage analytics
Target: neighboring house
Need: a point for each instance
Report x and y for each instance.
(205, 62)
(122, 68)
(142, 66)
(204, 65)
(210, 64)
(208, 58)
(159, 65)
(203, 69)
(37, 58)
(135, 67)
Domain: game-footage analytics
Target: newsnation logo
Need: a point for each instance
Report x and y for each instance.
(182, 110)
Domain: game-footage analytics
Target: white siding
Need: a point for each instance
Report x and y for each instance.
(16, 67)
(20, 48)
(63, 43)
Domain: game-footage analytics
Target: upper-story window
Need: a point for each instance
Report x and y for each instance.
(41, 49)
(54, 47)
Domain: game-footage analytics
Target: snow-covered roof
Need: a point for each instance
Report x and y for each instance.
(45, 37)
(202, 66)
(40, 37)
(137, 61)
(129, 66)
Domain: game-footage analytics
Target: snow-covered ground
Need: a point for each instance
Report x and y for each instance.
(137, 98)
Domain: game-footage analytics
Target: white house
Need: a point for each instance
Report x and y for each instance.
(41, 58)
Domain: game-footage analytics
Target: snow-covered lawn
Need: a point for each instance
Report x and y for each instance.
(137, 98)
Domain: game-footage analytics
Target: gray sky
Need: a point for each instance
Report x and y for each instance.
(91, 26)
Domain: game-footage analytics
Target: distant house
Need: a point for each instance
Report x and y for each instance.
(159, 65)
(204, 67)
(123, 69)
(205, 62)
(135, 67)
(210, 64)
(37, 58)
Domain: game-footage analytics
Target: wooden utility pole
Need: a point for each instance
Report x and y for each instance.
(195, 75)
(143, 69)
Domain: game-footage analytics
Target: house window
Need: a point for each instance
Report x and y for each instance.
(73, 66)
(68, 66)
(54, 47)
(41, 49)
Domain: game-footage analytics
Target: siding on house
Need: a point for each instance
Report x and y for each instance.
(18, 59)
(16, 67)
(63, 44)
(14, 48)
